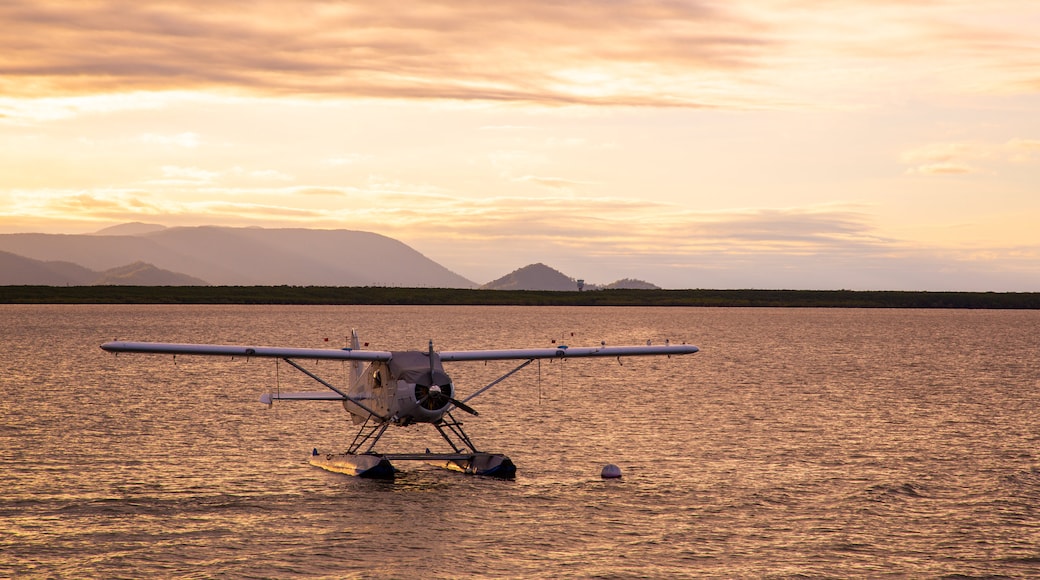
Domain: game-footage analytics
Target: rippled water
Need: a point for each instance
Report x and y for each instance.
(799, 442)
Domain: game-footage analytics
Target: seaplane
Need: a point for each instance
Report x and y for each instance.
(399, 388)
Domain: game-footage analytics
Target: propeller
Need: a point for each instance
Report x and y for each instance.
(434, 397)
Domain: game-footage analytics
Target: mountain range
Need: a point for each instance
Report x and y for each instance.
(237, 256)
(154, 255)
(18, 270)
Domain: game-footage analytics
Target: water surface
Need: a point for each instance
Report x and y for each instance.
(799, 442)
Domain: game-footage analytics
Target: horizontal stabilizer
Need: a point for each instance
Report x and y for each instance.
(268, 398)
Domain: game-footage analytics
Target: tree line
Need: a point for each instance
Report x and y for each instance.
(372, 295)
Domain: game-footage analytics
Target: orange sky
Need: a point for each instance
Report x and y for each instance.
(771, 144)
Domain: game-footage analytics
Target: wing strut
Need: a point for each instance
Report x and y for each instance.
(498, 380)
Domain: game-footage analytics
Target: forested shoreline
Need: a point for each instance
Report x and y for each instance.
(333, 295)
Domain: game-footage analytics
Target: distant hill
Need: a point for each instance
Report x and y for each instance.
(543, 278)
(18, 271)
(239, 256)
(533, 277)
(143, 274)
(630, 284)
(130, 229)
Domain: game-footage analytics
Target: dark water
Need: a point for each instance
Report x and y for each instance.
(798, 443)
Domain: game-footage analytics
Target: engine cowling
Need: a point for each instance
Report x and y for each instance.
(424, 390)
(423, 403)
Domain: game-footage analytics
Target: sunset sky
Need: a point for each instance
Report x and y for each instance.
(860, 144)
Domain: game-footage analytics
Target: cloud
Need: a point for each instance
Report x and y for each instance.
(605, 226)
(534, 52)
(627, 53)
(942, 168)
(187, 140)
(625, 225)
(1023, 150)
(811, 247)
(40, 107)
(508, 128)
(43, 209)
(348, 159)
(961, 157)
(173, 174)
(262, 174)
(557, 183)
(321, 191)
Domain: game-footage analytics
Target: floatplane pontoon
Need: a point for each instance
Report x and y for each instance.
(398, 388)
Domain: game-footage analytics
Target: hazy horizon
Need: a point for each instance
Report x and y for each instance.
(806, 145)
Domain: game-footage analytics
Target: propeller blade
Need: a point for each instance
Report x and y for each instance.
(464, 407)
(430, 355)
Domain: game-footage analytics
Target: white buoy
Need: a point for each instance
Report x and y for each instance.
(611, 471)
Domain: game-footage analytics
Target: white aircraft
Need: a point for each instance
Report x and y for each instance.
(399, 388)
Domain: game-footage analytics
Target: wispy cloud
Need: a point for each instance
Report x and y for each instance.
(557, 183)
(622, 224)
(1023, 150)
(35, 106)
(964, 157)
(348, 159)
(540, 51)
(262, 174)
(187, 140)
(173, 174)
(632, 53)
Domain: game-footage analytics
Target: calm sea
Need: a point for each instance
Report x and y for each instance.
(799, 443)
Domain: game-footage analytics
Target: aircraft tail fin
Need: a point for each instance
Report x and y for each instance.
(356, 369)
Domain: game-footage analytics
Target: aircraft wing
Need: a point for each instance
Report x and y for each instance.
(567, 352)
(246, 351)
(377, 355)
